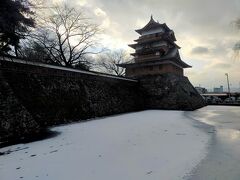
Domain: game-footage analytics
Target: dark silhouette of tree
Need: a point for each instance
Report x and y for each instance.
(33, 51)
(15, 23)
(67, 35)
(108, 61)
(83, 66)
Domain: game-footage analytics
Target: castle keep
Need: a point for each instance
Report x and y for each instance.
(155, 52)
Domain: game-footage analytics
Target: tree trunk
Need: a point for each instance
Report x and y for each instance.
(16, 50)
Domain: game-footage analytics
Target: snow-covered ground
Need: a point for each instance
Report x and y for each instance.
(148, 145)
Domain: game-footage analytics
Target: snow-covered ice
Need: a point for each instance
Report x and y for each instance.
(149, 145)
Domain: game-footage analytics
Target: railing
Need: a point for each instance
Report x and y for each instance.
(147, 39)
(145, 57)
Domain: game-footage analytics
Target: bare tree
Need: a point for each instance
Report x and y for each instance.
(67, 35)
(107, 62)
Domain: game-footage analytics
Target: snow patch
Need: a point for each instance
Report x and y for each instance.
(151, 145)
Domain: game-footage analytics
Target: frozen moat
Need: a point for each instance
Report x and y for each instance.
(223, 159)
(154, 144)
(150, 145)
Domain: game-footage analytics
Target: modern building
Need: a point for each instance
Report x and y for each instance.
(218, 90)
(155, 52)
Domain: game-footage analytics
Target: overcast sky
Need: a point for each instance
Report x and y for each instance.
(203, 29)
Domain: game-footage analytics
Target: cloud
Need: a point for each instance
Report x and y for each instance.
(82, 2)
(236, 47)
(99, 12)
(200, 50)
(222, 66)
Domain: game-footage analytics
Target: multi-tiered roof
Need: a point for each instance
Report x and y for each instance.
(155, 46)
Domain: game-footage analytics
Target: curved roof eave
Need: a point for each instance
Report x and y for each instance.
(152, 24)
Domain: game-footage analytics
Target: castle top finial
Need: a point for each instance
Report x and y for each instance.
(151, 17)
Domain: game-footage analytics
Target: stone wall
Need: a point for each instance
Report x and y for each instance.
(169, 91)
(32, 96)
(15, 120)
